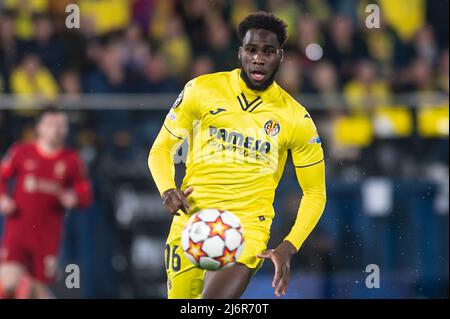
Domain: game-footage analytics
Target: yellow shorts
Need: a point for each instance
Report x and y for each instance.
(185, 281)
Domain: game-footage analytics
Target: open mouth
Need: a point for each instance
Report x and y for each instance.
(258, 76)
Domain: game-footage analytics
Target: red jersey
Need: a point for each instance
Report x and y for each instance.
(39, 180)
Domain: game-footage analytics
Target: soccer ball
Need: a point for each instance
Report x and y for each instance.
(212, 239)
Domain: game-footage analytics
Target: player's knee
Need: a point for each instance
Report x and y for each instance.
(9, 278)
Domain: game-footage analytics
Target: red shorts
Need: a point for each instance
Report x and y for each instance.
(38, 256)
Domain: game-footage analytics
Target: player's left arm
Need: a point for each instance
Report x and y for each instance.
(312, 182)
(79, 193)
(308, 158)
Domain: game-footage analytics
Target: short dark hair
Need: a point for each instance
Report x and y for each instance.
(49, 109)
(266, 21)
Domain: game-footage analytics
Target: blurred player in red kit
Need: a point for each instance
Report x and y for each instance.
(48, 179)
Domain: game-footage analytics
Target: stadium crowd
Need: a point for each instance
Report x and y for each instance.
(149, 46)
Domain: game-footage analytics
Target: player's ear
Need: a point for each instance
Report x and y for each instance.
(239, 52)
(281, 53)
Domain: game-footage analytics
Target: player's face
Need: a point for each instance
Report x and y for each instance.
(259, 57)
(52, 129)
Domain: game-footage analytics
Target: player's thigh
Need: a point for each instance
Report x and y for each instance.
(255, 242)
(184, 280)
(232, 282)
(228, 283)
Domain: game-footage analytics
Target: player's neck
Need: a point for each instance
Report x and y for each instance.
(47, 149)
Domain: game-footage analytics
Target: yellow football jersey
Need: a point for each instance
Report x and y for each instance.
(238, 143)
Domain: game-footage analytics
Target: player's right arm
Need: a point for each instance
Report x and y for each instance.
(177, 127)
(8, 168)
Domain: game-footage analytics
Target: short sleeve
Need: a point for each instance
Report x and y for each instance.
(184, 111)
(306, 146)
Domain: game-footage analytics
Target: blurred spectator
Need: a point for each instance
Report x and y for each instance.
(9, 47)
(383, 48)
(327, 95)
(289, 12)
(405, 16)
(25, 9)
(321, 10)
(202, 65)
(344, 45)
(47, 45)
(88, 145)
(176, 47)
(162, 12)
(32, 81)
(239, 10)
(326, 87)
(72, 90)
(111, 76)
(219, 44)
(71, 84)
(424, 45)
(105, 16)
(141, 10)
(419, 78)
(195, 13)
(93, 56)
(348, 8)
(290, 76)
(136, 50)
(307, 32)
(366, 90)
(156, 79)
(75, 47)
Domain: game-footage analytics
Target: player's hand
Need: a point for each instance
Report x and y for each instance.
(7, 205)
(175, 199)
(68, 199)
(281, 258)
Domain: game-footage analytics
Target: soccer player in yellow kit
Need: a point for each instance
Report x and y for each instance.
(240, 126)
